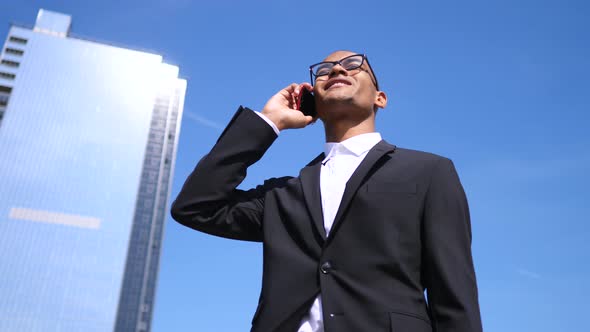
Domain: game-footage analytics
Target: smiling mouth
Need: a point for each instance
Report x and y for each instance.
(337, 84)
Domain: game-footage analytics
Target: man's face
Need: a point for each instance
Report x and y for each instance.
(345, 91)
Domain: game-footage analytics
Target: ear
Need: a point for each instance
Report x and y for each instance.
(380, 99)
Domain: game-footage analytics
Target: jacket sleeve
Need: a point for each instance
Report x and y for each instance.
(448, 271)
(209, 201)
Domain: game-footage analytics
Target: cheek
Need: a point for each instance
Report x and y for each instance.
(366, 96)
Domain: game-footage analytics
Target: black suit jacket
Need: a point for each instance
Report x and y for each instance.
(402, 228)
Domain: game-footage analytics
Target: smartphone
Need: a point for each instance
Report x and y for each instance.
(306, 102)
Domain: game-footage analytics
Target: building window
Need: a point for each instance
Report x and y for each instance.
(10, 63)
(5, 89)
(3, 100)
(14, 51)
(8, 76)
(18, 40)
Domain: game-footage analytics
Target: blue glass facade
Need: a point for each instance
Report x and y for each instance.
(87, 144)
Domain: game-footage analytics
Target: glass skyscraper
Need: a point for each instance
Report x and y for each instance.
(88, 136)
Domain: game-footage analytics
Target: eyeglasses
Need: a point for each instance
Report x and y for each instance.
(349, 63)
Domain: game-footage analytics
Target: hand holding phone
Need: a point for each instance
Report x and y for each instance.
(282, 107)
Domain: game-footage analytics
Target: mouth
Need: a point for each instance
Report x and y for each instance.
(336, 83)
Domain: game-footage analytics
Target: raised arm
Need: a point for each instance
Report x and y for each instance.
(209, 201)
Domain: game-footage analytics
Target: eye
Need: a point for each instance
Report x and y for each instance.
(323, 69)
(352, 63)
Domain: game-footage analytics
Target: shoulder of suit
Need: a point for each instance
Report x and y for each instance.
(418, 155)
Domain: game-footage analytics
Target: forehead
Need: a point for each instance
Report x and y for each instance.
(338, 55)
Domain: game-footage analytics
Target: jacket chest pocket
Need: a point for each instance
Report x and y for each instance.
(393, 210)
(392, 201)
(392, 187)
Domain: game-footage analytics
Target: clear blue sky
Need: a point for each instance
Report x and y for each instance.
(501, 87)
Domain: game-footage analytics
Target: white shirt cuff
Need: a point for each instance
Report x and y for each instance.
(270, 123)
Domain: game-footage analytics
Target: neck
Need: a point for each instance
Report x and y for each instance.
(342, 131)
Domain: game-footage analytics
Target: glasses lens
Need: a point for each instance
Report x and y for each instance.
(352, 62)
(323, 69)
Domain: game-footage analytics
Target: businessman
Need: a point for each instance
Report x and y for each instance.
(368, 237)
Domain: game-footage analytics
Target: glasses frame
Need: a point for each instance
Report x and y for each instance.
(313, 77)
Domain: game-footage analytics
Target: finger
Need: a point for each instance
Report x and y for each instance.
(288, 94)
(306, 85)
(307, 120)
(285, 94)
(287, 98)
(291, 88)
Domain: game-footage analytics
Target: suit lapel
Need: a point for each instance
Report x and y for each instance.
(358, 178)
(310, 181)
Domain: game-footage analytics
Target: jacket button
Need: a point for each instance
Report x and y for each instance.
(326, 268)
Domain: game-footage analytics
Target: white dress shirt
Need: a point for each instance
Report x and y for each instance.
(342, 159)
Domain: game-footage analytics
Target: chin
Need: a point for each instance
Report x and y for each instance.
(338, 99)
(338, 108)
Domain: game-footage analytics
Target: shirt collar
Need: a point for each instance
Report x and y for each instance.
(356, 145)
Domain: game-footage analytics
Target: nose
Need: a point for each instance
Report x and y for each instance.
(336, 70)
